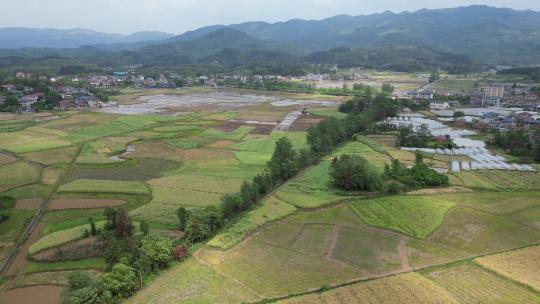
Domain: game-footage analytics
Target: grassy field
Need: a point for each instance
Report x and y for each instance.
(522, 265)
(99, 152)
(104, 186)
(53, 156)
(18, 174)
(61, 237)
(94, 263)
(311, 189)
(266, 144)
(191, 282)
(27, 141)
(409, 288)
(480, 232)
(270, 210)
(412, 215)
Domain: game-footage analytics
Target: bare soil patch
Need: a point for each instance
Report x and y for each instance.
(43, 294)
(436, 191)
(62, 204)
(81, 249)
(262, 128)
(6, 159)
(222, 144)
(304, 122)
(28, 204)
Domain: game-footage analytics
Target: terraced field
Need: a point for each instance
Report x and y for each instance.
(431, 246)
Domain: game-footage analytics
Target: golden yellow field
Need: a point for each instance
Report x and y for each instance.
(522, 265)
(405, 288)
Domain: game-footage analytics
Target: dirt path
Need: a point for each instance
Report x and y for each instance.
(332, 242)
(403, 254)
(18, 265)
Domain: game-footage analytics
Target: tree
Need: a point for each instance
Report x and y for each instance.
(180, 252)
(354, 173)
(93, 230)
(458, 114)
(263, 182)
(123, 225)
(387, 88)
(109, 214)
(183, 215)
(250, 194)
(231, 204)
(79, 279)
(86, 295)
(144, 228)
(158, 250)
(120, 282)
(283, 164)
(434, 76)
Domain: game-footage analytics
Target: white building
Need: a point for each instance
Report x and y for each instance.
(439, 105)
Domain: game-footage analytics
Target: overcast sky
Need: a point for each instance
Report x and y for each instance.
(178, 16)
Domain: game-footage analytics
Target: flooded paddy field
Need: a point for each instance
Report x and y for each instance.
(176, 102)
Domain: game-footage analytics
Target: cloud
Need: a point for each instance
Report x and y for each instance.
(177, 16)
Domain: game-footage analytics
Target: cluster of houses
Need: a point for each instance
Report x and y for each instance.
(500, 95)
(75, 98)
(25, 95)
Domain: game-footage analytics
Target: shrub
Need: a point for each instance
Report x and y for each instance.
(180, 252)
(79, 279)
(354, 173)
(120, 282)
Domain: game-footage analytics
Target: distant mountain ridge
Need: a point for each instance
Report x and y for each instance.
(457, 39)
(492, 35)
(17, 37)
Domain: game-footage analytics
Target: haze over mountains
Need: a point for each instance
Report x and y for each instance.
(16, 37)
(454, 37)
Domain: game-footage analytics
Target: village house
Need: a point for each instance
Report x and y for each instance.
(27, 101)
(439, 105)
(9, 88)
(23, 75)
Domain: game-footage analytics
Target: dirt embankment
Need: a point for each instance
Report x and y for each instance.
(42, 294)
(81, 249)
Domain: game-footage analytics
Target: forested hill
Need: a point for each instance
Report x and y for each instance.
(233, 50)
(497, 36)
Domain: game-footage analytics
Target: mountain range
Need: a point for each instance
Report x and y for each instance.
(455, 39)
(13, 38)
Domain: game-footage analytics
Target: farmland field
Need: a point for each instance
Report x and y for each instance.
(405, 288)
(104, 186)
(471, 284)
(522, 265)
(474, 242)
(415, 216)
